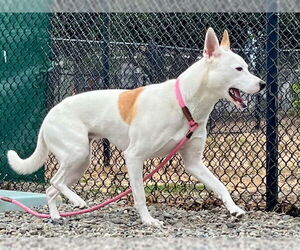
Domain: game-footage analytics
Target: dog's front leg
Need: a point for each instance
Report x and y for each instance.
(135, 170)
(194, 165)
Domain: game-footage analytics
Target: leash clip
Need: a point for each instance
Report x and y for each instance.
(193, 126)
(189, 134)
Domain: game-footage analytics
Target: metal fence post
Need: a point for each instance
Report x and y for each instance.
(155, 63)
(105, 74)
(271, 114)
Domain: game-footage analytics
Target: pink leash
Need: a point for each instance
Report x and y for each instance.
(193, 127)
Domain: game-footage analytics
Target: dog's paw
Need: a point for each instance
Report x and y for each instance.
(152, 222)
(80, 204)
(237, 212)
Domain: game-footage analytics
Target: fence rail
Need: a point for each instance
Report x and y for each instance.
(49, 56)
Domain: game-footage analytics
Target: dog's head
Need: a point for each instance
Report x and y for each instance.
(227, 72)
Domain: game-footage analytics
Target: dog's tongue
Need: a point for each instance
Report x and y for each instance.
(237, 96)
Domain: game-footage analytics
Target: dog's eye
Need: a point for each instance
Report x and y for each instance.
(239, 68)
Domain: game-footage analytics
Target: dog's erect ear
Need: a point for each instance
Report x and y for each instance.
(225, 43)
(211, 45)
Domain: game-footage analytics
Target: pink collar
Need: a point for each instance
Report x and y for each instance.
(185, 110)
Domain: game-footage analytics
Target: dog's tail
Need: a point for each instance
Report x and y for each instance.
(33, 162)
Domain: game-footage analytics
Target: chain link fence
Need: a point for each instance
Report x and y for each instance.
(255, 152)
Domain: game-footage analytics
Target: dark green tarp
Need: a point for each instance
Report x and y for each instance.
(24, 66)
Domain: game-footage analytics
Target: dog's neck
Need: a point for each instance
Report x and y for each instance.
(197, 96)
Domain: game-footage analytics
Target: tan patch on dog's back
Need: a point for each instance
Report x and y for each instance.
(127, 104)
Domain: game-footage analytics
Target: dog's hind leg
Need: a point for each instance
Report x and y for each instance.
(73, 159)
(75, 177)
(70, 179)
(68, 174)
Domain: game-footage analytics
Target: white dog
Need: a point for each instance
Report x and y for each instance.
(145, 122)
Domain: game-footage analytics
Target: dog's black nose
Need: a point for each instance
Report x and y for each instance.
(262, 85)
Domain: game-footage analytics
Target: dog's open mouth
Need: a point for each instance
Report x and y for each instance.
(236, 97)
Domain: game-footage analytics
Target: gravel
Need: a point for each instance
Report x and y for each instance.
(120, 221)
